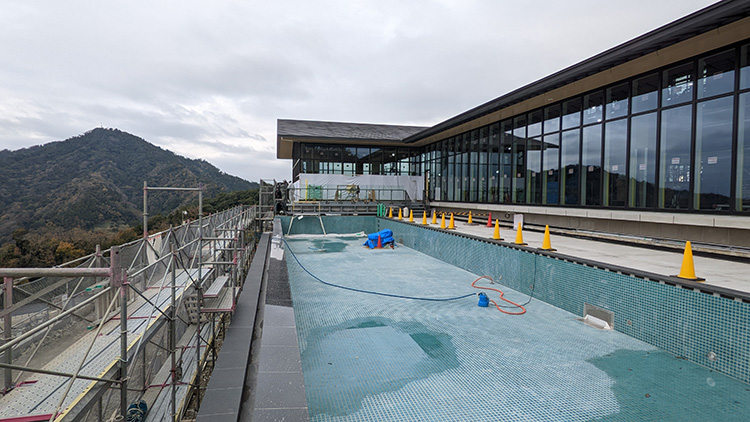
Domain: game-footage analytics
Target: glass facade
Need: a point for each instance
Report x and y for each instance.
(671, 139)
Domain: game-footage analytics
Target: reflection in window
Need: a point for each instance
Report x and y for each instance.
(569, 163)
(484, 151)
(643, 161)
(591, 163)
(745, 67)
(534, 170)
(552, 119)
(617, 101)
(551, 170)
(743, 154)
(534, 124)
(713, 154)
(505, 176)
(716, 74)
(592, 107)
(644, 96)
(571, 114)
(677, 85)
(674, 159)
(615, 153)
(519, 160)
(494, 164)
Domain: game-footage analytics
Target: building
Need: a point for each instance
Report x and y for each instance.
(649, 138)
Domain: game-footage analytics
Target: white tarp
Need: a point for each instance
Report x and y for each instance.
(371, 186)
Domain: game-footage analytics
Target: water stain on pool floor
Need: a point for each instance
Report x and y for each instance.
(367, 357)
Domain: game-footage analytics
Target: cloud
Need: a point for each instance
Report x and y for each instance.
(209, 80)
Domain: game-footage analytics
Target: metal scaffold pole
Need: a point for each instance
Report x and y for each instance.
(172, 336)
(7, 329)
(199, 293)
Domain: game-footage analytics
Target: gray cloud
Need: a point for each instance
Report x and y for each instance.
(209, 80)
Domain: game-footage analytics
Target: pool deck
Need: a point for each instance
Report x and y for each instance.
(727, 273)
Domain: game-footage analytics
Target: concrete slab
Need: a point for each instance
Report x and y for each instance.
(718, 272)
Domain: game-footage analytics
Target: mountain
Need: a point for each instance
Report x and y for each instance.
(95, 180)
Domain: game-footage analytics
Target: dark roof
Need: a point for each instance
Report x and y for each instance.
(347, 131)
(697, 23)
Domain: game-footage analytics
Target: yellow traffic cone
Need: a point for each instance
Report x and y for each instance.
(434, 217)
(496, 235)
(411, 216)
(546, 244)
(424, 218)
(519, 236)
(390, 212)
(687, 271)
(442, 221)
(451, 225)
(470, 221)
(400, 217)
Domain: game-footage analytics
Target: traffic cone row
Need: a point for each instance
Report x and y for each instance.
(687, 269)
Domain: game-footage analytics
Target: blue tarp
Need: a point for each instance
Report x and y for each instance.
(386, 237)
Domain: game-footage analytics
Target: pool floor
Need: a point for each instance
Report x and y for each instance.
(374, 358)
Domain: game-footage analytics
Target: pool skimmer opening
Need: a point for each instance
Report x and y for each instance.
(597, 317)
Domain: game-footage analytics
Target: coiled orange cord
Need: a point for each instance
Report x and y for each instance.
(523, 310)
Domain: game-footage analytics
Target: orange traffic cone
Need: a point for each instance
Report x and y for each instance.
(546, 244)
(451, 225)
(434, 217)
(687, 271)
(519, 236)
(400, 217)
(390, 212)
(442, 221)
(489, 220)
(411, 216)
(424, 218)
(496, 235)
(470, 220)
(380, 242)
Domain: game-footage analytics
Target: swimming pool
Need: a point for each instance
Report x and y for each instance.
(368, 357)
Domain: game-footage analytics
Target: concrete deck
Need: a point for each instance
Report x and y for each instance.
(725, 273)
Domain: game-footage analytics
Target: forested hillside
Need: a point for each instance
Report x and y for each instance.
(59, 199)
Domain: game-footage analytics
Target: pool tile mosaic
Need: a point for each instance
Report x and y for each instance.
(374, 358)
(684, 322)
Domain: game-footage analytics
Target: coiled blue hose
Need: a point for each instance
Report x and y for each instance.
(289, 248)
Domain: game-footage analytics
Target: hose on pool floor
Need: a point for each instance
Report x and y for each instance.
(473, 284)
(523, 310)
(289, 248)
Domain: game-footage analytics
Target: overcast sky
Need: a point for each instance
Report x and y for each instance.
(209, 79)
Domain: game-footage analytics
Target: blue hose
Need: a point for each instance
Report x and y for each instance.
(289, 248)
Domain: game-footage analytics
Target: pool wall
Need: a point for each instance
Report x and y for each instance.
(688, 323)
(310, 224)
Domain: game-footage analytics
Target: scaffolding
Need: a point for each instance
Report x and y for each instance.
(136, 322)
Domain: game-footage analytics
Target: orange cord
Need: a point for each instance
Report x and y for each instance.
(501, 297)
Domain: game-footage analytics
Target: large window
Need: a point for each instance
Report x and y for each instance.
(743, 154)
(591, 161)
(571, 114)
(519, 160)
(551, 170)
(716, 74)
(645, 93)
(677, 85)
(534, 159)
(713, 154)
(615, 156)
(643, 161)
(674, 161)
(507, 164)
(617, 101)
(570, 165)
